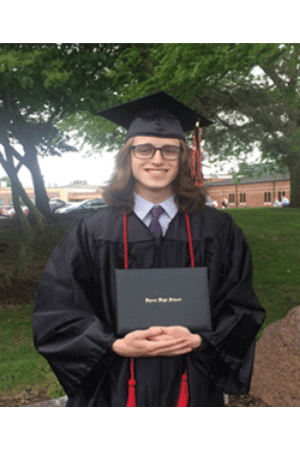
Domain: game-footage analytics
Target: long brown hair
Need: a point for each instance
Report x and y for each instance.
(119, 189)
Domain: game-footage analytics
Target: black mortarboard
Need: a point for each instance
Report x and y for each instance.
(157, 114)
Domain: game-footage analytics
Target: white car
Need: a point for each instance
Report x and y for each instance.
(86, 206)
(56, 203)
(9, 211)
(209, 202)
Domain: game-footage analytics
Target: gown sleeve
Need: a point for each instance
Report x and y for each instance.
(237, 316)
(67, 329)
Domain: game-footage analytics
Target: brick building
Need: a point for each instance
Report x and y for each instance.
(249, 192)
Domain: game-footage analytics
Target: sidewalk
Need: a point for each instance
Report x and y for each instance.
(61, 401)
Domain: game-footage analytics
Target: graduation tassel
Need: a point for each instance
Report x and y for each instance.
(184, 391)
(196, 156)
(131, 400)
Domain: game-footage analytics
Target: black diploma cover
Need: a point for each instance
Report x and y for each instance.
(166, 297)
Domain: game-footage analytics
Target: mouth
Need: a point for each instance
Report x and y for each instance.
(157, 171)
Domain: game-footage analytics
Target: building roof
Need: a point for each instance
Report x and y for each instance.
(248, 180)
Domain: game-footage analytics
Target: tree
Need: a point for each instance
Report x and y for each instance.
(250, 91)
(40, 84)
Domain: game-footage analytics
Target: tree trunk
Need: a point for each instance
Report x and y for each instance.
(20, 191)
(41, 197)
(12, 172)
(25, 226)
(27, 233)
(294, 170)
(35, 213)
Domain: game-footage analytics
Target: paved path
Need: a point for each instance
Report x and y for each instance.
(61, 401)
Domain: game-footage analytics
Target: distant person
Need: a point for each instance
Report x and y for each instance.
(153, 195)
(224, 203)
(277, 204)
(285, 202)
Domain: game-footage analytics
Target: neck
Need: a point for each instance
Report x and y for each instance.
(155, 197)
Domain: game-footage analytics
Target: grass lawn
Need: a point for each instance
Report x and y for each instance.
(23, 372)
(22, 369)
(274, 238)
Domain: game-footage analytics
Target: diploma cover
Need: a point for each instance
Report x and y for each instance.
(165, 296)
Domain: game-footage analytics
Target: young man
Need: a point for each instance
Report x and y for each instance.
(75, 314)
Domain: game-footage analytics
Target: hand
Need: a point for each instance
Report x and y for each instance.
(192, 340)
(155, 341)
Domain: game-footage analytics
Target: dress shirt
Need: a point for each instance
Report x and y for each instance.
(142, 210)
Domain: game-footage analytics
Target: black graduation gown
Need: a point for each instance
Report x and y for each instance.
(74, 315)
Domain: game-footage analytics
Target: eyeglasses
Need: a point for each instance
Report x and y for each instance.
(147, 151)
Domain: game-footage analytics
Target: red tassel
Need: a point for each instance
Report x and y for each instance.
(131, 400)
(188, 227)
(193, 157)
(196, 157)
(184, 392)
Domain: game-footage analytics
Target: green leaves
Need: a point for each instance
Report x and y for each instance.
(250, 91)
(26, 82)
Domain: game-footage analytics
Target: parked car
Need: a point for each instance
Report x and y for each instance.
(209, 202)
(4, 210)
(56, 203)
(9, 211)
(86, 206)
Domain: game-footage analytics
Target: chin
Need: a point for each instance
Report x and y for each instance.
(157, 188)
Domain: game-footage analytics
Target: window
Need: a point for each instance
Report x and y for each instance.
(267, 197)
(242, 198)
(231, 198)
(280, 195)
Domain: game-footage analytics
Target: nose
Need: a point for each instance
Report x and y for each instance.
(157, 157)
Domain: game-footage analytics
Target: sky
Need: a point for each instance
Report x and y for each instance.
(62, 170)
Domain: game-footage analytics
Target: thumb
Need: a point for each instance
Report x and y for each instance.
(155, 331)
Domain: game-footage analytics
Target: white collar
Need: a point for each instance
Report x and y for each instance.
(142, 206)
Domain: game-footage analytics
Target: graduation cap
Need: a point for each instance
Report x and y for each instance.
(163, 116)
(157, 114)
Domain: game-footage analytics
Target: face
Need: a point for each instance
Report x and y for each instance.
(154, 176)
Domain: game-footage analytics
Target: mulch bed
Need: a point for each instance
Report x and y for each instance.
(246, 400)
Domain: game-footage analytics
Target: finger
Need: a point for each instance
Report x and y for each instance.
(141, 334)
(175, 352)
(167, 346)
(162, 337)
(156, 331)
(184, 351)
(177, 330)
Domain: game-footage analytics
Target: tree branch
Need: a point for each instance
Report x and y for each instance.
(279, 82)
